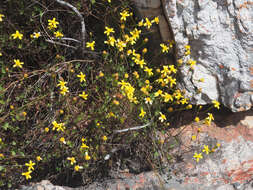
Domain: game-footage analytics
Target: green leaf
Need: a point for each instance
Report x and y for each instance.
(2, 102)
(6, 126)
(156, 154)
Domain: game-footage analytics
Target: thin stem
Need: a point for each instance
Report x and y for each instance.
(83, 29)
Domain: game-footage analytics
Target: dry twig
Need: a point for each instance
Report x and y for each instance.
(83, 30)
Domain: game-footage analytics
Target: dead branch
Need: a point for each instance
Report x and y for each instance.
(133, 128)
(83, 30)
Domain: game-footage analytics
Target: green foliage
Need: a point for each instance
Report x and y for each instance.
(61, 108)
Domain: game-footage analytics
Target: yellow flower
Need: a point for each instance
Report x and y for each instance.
(148, 100)
(135, 34)
(86, 157)
(61, 111)
(173, 69)
(164, 47)
(64, 90)
(216, 104)
(209, 119)
(149, 71)
(38, 158)
(184, 101)
(1, 17)
(189, 106)
(111, 41)
(197, 156)
(191, 62)
(83, 95)
(46, 129)
(27, 174)
(124, 14)
(104, 138)
(143, 113)
(62, 140)
(120, 45)
(17, 35)
(108, 31)
(187, 53)
(180, 62)
(156, 20)
(30, 165)
(58, 34)
(82, 77)
(52, 23)
(158, 93)
(84, 146)
(61, 127)
(72, 160)
(58, 126)
(24, 113)
(148, 24)
(61, 83)
(18, 63)
(162, 117)
(116, 102)
(167, 97)
(201, 80)
(196, 119)
(1, 155)
(36, 35)
(90, 45)
(206, 149)
(194, 137)
(77, 167)
(140, 23)
(101, 74)
(111, 114)
(140, 62)
(144, 50)
(187, 47)
(55, 125)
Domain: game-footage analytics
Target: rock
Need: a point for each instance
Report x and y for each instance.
(148, 4)
(220, 34)
(231, 163)
(151, 9)
(44, 185)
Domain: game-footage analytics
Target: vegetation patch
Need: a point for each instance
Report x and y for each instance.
(81, 88)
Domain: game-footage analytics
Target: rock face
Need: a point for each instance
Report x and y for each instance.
(220, 33)
(230, 165)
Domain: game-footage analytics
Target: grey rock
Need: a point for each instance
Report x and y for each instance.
(44, 185)
(220, 33)
(226, 187)
(148, 4)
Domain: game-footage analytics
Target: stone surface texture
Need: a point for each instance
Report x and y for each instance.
(229, 167)
(220, 33)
